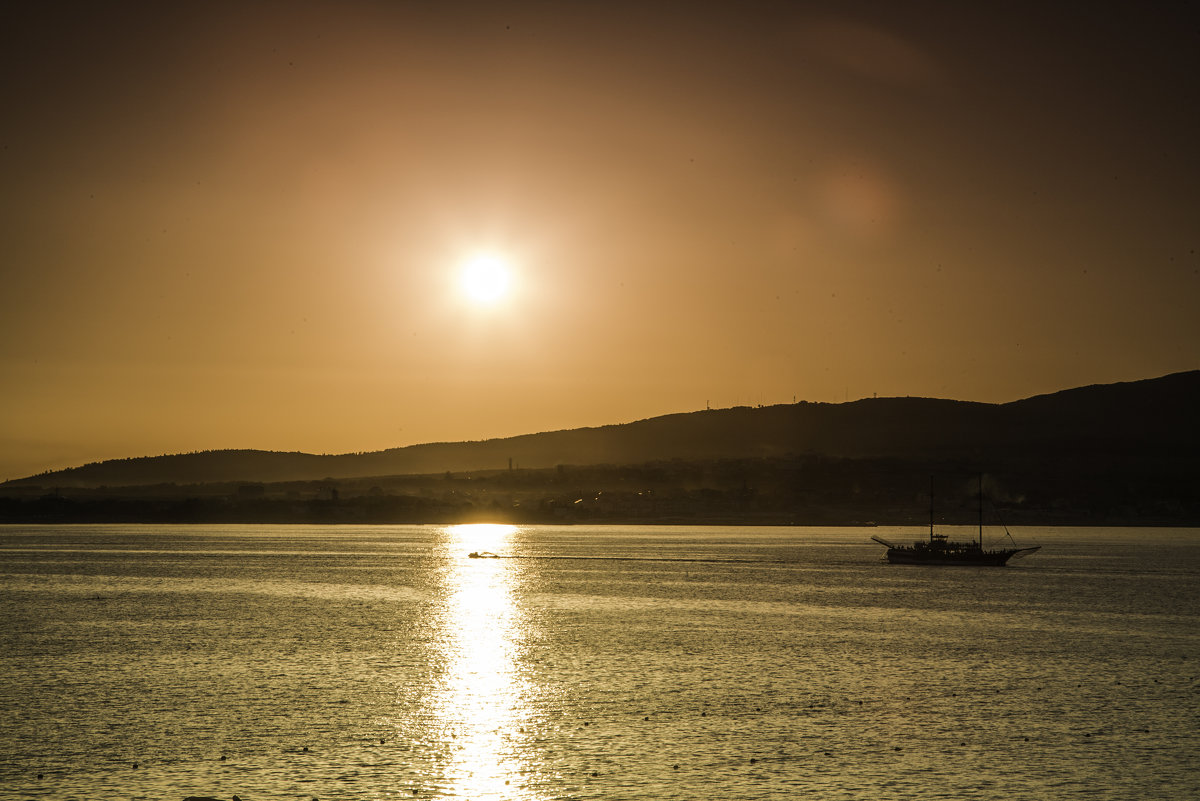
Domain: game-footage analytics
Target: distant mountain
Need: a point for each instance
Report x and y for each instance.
(1115, 424)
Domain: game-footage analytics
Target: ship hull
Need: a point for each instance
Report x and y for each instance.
(994, 559)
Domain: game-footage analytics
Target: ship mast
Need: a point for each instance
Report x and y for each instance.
(981, 511)
(930, 509)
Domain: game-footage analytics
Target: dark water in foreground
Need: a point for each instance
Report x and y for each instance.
(380, 662)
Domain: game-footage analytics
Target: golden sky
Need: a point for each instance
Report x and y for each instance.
(232, 225)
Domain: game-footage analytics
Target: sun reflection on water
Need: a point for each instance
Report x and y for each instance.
(483, 701)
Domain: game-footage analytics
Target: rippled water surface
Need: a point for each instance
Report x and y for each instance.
(280, 662)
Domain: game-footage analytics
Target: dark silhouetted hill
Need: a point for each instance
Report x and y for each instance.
(1151, 423)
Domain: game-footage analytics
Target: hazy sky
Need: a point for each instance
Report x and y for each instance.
(238, 225)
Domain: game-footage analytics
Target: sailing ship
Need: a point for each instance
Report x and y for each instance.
(940, 550)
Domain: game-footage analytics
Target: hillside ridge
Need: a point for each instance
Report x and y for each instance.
(1149, 417)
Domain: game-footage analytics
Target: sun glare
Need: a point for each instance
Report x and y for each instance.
(484, 702)
(485, 279)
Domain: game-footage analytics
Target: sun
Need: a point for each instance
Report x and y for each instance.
(485, 279)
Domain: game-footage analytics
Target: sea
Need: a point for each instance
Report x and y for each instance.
(593, 662)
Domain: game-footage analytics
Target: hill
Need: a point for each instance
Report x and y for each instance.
(1118, 454)
(1153, 419)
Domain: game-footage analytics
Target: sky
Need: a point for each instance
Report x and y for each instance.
(244, 225)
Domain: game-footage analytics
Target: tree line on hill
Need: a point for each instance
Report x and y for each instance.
(810, 490)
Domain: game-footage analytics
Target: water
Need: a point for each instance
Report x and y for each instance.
(751, 663)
